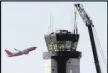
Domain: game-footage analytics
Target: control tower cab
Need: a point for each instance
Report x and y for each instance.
(62, 56)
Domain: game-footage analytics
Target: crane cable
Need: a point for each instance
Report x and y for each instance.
(75, 22)
(99, 47)
(98, 43)
(100, 51)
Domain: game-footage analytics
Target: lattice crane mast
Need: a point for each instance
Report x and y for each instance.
(89, 24)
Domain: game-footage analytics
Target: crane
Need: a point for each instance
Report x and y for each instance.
(90, 25)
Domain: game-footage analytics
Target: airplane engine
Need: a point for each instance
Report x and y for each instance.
(26, 52)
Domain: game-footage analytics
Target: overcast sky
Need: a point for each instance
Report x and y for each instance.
(25, 23)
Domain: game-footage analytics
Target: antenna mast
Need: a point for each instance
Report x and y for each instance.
(51, 22)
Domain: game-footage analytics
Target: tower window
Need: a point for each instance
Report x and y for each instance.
(69, 62)
(52, 69)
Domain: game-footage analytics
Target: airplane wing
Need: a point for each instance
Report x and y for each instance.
(18, 54)
(17, 50)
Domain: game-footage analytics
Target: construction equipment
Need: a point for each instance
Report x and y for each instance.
(90, 25)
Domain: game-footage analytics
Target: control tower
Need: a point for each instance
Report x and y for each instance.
(62, 56)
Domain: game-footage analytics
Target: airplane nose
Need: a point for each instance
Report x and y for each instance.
(35, 47)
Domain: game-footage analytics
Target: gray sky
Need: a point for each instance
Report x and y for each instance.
(25, 23)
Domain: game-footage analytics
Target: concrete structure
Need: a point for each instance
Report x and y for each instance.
(62, 56)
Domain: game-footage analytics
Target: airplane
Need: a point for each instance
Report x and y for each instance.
(19, 53)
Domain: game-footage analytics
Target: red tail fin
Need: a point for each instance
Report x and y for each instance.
(9, 53)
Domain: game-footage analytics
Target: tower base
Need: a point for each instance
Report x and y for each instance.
(62, 61)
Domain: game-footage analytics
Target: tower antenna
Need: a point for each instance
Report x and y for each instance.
(51, 22)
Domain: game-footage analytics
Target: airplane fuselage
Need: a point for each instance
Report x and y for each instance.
(19, 53)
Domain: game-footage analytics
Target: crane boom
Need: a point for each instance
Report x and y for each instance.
(89, 24)
(84, 15)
